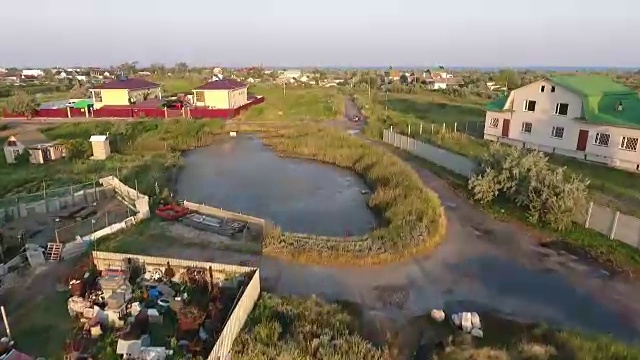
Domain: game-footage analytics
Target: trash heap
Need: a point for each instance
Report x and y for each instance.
(127, 303)
(468, 322)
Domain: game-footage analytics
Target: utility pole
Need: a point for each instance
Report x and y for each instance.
(284, 88)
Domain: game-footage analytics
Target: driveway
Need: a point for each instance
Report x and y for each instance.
(483, 264)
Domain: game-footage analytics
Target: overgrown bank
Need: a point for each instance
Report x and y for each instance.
(412, 215)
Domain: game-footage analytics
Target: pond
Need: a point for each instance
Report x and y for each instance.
(241, 174)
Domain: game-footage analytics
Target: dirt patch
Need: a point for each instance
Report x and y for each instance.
(393, 296)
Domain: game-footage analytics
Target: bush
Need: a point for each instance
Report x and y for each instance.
(525, 177)
(412, 215)
(23, 104)
(293, 328)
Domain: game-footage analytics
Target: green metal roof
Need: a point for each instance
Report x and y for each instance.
(601, 97)
(497, 104)
(82, 104)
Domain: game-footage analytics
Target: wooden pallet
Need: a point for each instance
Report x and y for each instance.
(54, 252)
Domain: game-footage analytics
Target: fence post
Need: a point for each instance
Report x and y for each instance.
(95, 192)
(614, 225)
(455, 127)
(431, 128)
(444, 127)
(420, 128)
(589, 210)
(44, 195)
(73, 199)
(409, 132)
(466, 127)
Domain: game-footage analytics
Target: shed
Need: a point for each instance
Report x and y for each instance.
(100, 146)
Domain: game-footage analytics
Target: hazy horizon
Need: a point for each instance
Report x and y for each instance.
(342, 34)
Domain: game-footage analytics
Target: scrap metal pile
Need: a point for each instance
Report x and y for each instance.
(129, 302)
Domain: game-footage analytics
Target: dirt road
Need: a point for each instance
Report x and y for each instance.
(483, 264)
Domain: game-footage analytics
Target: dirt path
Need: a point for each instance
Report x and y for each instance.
(483, 264)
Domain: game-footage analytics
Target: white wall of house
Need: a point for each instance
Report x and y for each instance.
(543, 120)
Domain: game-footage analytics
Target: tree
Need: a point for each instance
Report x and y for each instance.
(129, 68)
(23, 104)
(181, 68)
(78, 91)
(509, 77)
(404, 79)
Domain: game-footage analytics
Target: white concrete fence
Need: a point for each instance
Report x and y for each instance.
(600, 218)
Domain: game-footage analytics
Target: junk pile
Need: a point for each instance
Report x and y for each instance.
(468, 322)
(129, 302)
(225, 227)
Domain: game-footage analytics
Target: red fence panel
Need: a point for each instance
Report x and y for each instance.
(77, 112)
(52, 113)
(148, 113)
(200, 113)
(106, 112)
(173, 113)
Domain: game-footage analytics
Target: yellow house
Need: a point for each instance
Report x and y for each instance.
(124, 92)
(221, 94)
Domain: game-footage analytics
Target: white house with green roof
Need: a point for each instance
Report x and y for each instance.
(583, 116)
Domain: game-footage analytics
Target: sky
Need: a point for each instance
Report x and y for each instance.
(345, 33)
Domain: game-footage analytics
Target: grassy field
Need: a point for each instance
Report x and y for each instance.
(299, 103)
(412, 215)
(615, 188)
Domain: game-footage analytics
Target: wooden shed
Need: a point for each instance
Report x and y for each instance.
(100, 146)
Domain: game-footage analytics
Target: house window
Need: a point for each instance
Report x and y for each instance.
(199, 96)
(542, 88)
(562, 109)
(97, 95)
(553, 89)
(557, 132)
(526, 127)
(494, 122)
(602, 139)
(12, 143)
(530, 105)
(629, 143)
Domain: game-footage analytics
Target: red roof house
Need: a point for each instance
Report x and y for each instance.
(221, 94)
(124, 92)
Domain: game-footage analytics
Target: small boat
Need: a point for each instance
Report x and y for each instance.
(172, 212)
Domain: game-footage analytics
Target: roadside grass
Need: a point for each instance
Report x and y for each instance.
(615, 256)
(286, 327)
(412, 216)
(611, 187)
(299, 103)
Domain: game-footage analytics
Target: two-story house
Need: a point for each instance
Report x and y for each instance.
(583, 116)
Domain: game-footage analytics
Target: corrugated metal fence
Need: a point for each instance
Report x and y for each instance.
(600, 218)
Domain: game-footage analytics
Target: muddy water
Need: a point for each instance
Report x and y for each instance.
(240, 174)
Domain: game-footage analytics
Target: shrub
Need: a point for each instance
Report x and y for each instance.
(23, 104)
(548, 193)
(412, 215)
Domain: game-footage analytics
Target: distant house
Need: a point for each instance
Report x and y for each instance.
(493, 86)
(99, 73)
(292, 74)
(587, 117)
(394, 75)
(40, 148)
(32, 73)
(440, 79)
(221, 94)
(124, 92)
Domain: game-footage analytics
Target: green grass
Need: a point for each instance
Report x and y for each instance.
(142, 152)
(412, 215)
(41, 327)
(173, 85)
(299, 103)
